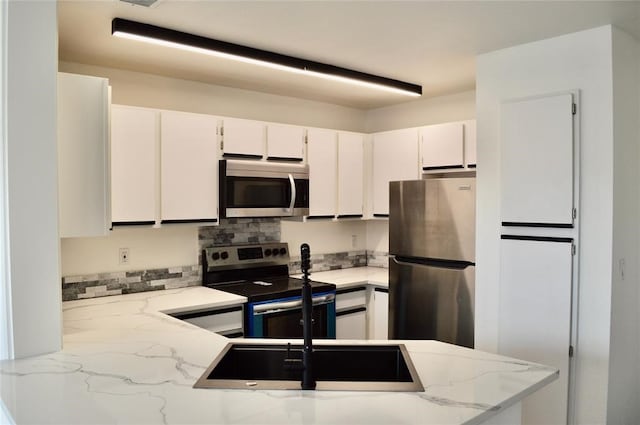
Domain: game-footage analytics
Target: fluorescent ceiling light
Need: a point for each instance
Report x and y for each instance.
(208, 46)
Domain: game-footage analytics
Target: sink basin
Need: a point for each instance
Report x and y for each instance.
(335, 367)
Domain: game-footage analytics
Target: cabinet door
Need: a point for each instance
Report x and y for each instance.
(470, 143)
(535, 317)
(134, 147)
(243, 138)
(442, 146)
(395, 157)
(350, 175)
(323, 172)
(381, 314)
(352, 324)
(189, 167)
(285, 142)
(83, 138)
(537, 162)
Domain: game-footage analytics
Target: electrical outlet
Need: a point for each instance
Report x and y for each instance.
(124, 255)
(354, 241)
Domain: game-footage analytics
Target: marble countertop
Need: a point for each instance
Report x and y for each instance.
(126, 362)
(345, 278)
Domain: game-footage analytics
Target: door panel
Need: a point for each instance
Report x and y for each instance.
(428, 302)
(536, 155)
(535, 318)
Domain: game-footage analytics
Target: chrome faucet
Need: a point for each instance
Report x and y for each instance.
(308, 381)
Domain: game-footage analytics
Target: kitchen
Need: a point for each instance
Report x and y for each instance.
(171, 94)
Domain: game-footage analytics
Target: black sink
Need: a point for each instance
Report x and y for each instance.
(336, 367)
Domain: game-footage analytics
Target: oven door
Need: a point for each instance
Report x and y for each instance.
(282, 318)
(258, 189)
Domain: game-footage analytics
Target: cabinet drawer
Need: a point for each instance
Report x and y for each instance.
(352, 297)
(220, 321)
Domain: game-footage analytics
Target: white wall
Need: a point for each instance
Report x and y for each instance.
(169, 246)
(6, 339)
(436, 110)
(575, 61)
(324, 236)
(624, 371)
(153, 91)
(32, 64)
(378, 235)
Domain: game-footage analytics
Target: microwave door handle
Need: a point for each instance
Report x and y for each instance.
(293, 194)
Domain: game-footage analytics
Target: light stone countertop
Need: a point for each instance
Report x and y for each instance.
(346, 278)
(126, 362)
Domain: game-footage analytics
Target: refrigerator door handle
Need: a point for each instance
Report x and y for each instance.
(432, 262)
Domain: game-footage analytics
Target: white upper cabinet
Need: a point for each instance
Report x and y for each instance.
(323, 172)
(395, 157)
(243, 138)
(189, 167)
(470, 143)
(83, 139)
(134, 150)
(285, 142)
(537, 164)
(442, 146)
(350, 174)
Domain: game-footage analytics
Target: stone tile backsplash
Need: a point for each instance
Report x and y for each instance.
(239, 231)
(119, 283)
(236, 231)
(378, 259)
(334, 261)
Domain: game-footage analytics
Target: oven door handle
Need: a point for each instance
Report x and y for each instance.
(324, 299)
(292, 182)
(269, 308)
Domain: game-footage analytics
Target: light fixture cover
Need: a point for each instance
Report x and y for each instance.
(149, 32)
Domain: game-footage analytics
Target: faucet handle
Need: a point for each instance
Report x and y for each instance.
(305, 257)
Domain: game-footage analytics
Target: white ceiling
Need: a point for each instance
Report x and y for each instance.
(432, 43)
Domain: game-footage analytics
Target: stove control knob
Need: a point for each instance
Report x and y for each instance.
(224, 255)
(267, 252)
(283, 251)
(274, 252)
(215, 255)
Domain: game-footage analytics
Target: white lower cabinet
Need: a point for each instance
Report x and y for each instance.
(189, 167)
(535, 316)
(351, 313)
(226, 321)
(83, 146)
(381, 314)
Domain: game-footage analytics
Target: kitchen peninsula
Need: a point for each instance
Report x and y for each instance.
(125, 361)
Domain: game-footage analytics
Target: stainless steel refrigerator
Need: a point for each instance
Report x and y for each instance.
(432, 259)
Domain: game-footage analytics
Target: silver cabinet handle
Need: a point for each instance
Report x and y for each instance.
(293, 194)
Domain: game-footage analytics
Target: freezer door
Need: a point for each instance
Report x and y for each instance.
(433, 218)
(429, 302)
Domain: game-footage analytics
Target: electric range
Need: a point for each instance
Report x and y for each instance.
(260, 273)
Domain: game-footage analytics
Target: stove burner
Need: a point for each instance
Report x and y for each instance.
(252, 271)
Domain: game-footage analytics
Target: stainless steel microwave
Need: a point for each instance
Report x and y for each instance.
(263, 189)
